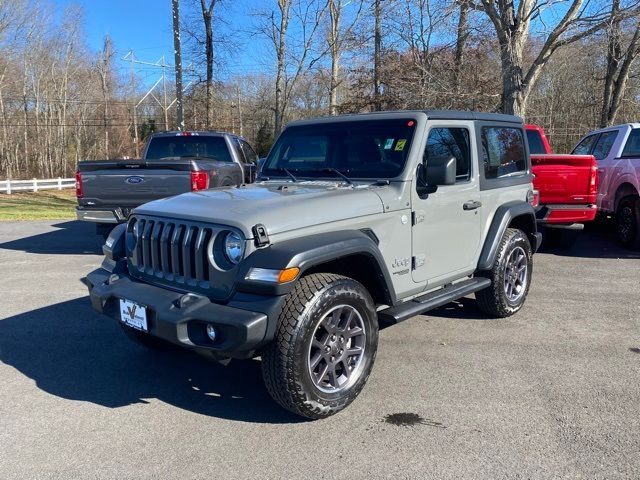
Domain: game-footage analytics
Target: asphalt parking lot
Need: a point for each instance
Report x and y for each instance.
(551, 392)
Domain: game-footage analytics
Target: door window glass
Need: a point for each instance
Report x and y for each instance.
(604, 144)
(584, 147)
(632, 147)
(249, 153)
(451, 142)
(503, 152)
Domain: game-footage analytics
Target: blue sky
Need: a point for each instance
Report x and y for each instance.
(145, 27)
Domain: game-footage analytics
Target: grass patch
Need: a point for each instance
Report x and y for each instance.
(45, 205)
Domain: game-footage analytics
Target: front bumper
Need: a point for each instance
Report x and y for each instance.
(181, 318)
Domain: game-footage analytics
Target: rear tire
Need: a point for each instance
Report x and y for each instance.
(628, 222)
(510, 276)
(325, 346)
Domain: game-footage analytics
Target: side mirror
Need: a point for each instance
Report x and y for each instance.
(440, 171)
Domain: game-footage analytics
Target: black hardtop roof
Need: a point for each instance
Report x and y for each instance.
(431, 114)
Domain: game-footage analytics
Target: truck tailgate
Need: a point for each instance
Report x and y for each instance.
(565, 179)
(129, 183)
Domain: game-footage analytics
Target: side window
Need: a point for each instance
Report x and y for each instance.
(451, 142)
(503, 151)
(584, 147)
(249, 153)
(632, 147)
(236, 145)
(536, 146)
(604, 144)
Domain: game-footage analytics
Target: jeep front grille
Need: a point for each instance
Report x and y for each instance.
(174, 251)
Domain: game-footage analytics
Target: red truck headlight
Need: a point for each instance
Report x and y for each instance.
(199, 181)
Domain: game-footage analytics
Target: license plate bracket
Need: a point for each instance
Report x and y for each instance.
(133, 315)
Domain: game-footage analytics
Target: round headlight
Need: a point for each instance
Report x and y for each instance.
(233, 247)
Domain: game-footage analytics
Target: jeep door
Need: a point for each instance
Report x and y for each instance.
(446, 230)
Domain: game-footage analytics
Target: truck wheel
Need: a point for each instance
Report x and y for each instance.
(325, 346)
(628, 222)
(146, 340)
(227, 182)
(510, 276)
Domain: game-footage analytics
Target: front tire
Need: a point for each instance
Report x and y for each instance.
(628, 222)
(325, 346)
(510, 276)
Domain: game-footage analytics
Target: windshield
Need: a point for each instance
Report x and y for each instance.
(189, 146)
(363, 149)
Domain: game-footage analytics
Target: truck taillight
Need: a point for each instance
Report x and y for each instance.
(594, 180)
(199, 181)
(79, 191)
(533, 197)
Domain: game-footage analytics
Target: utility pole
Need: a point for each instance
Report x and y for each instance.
(134, 107)
(165, 108)
(177, 51)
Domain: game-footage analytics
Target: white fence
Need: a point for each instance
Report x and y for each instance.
(12, 186)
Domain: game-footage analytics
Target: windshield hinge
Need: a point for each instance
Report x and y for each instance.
(260, 235)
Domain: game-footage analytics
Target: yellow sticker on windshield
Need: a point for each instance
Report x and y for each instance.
(400, 145)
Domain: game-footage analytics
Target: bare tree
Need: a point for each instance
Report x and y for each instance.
(462, 33)
(512, 22)
(104, 68)
(338, 36)
(207, 17)
(619, 62)
(377, 54)
(293, 58)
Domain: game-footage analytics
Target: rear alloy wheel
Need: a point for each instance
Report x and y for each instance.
(324, 348)
(628, 222)
(510, 276)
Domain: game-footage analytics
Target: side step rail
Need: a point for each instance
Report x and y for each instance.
(432, 300)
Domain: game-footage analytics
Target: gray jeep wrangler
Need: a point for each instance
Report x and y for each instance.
(355, 222)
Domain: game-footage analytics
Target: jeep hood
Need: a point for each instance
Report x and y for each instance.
(279, 206)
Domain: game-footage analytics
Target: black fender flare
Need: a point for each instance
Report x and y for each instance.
(503, 217)
(310, 251)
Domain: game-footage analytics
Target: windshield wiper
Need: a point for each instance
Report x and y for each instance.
(339, 173)
(287, 171)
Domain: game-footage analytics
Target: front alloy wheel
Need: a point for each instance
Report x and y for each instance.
(337, 349)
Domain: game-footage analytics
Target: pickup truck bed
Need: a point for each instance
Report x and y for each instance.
(568, 188)
(173, 163)
(567, 184)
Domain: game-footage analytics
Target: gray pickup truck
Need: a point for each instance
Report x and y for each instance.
(355, 221)
(172, 163)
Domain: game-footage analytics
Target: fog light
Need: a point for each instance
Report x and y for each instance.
(212, 333)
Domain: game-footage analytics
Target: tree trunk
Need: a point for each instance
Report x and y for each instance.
(335, 11)
(377, 53)
(281, 44)
(461, 38)
(207, 17)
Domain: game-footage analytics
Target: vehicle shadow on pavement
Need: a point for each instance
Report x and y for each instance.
(597, 241)
(461, 309)
(68, 238)
(73, 353)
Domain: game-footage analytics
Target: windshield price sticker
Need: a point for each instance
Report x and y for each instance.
(388, 144)
(400, 144)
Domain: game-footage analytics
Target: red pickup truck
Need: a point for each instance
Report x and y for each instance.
(568, 185)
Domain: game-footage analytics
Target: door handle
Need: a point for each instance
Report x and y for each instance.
(471, 205)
